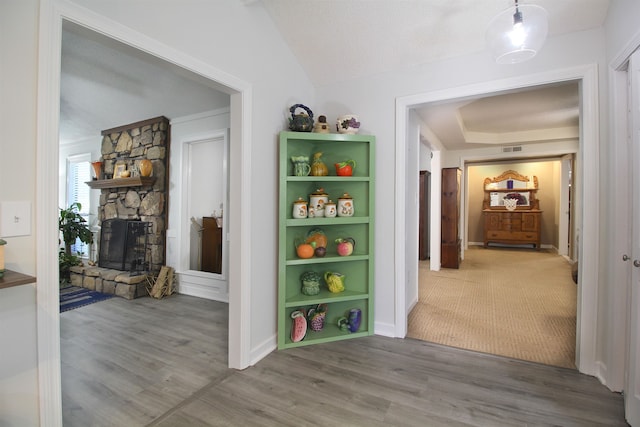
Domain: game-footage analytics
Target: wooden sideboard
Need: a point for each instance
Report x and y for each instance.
(519, 227)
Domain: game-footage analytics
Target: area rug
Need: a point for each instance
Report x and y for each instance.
(518, 303)
(73, 297)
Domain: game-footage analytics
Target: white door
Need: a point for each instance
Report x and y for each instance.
(632, 377)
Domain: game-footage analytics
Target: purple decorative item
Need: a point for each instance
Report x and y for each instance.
(316, 317)
(510, 184)
(355, 317)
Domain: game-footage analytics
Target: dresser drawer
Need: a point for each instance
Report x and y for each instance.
(512, 236)
(511, 225)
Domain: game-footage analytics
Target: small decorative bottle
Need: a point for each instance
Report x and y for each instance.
(318, 168)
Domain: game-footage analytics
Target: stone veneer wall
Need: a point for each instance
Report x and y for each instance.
(128, 145)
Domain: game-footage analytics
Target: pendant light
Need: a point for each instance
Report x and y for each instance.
(517, 33)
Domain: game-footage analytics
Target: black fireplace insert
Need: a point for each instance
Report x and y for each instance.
(123, 245)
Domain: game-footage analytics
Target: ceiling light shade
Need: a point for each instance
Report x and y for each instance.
(517, 33)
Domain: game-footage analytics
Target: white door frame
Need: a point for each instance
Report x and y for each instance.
(632, 371)
(52, 14)
(589, 220)
(616, 345)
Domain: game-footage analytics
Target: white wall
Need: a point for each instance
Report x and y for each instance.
(621, 26)
(18, 365)
(377, 114)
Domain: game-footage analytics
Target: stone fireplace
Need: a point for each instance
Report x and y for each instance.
(132, 198)
(123, 245)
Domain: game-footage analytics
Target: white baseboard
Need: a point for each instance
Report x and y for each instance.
(200, 287)
(264, 349)
(385, 329)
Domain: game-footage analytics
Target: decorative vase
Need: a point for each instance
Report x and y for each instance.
(335, 281)
(97, 168)
(316, 317)
(302, 122)
(301, 165)
(351, 323)
(348, 124)
(355, 318)
(318, 168)
(310, 283)
(145, 167)
(298, 325)
(345, 168)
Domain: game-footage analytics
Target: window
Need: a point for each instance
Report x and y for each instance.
(79, 172)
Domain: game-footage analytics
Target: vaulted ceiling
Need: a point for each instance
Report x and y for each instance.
(106, 83)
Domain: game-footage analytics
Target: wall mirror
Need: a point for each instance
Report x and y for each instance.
(510, 185)
(206, 190)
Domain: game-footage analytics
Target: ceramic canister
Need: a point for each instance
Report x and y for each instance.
(317, 200)
(299, 208)
(330, 209)
(345, 205)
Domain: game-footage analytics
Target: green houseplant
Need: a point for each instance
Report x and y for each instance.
(72, 227)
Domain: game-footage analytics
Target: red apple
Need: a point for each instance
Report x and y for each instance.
(345, 246)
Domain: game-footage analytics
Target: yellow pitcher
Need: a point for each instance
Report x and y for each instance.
(335, 281)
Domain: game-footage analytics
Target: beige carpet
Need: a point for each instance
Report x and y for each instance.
(518, 303)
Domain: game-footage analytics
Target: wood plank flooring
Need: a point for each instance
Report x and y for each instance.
(164, 363)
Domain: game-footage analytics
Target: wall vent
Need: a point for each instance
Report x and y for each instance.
(512, 149)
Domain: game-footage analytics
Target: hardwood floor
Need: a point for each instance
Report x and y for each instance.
(163, 363)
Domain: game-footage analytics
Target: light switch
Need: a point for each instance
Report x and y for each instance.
(15, 219)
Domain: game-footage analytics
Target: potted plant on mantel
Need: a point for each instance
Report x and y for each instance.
(72, 226)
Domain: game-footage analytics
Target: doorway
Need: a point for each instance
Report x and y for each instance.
(467, 308)
(586, 222)
(52, 18)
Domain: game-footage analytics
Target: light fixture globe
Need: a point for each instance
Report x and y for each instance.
(517, 33)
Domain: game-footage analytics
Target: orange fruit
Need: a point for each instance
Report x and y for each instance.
(305, 250)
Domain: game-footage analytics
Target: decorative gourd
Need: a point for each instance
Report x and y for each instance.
(318, 168)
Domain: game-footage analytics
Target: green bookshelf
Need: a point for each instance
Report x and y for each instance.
(358, 267)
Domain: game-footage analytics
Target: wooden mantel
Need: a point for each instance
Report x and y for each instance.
(134, 181)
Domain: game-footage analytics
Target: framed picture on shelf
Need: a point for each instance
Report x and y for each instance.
(119, 170)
